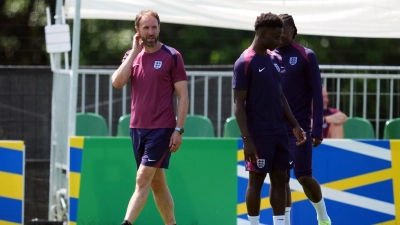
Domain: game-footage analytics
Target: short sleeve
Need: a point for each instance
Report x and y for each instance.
(178, 69)
(240, 80)
(126, 55)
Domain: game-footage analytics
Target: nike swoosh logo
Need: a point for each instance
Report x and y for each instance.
(151, 160)
(259, 70)
(290, 162)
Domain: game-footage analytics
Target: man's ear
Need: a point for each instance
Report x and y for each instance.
(292, 32)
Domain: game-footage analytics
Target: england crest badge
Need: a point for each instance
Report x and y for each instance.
(157, 64)
(293, 60)
(260, 163)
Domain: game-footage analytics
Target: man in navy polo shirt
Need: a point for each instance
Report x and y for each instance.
(302, 87)
(156, 72)
(261, 112)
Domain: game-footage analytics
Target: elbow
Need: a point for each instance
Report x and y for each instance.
(115, 83)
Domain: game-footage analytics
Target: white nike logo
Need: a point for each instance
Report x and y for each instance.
(259, 70)
(290, 162)
(151, 160)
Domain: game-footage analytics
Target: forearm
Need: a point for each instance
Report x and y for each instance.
(121, 76)
(182, 109)
(288, 113)
(337, 118)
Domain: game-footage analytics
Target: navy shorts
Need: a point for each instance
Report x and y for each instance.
(273, 153)
(151, 146)
(302, 156)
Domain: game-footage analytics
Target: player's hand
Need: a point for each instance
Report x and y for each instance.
(250, 153)
(175, 141)
(316, 141)
(300, 135)
(137, 45)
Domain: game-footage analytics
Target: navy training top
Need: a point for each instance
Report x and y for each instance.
(260, 76)
(302, 86)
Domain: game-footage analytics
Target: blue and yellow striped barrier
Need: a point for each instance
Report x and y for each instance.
(76, 148)
(360, 181)
(12, 161)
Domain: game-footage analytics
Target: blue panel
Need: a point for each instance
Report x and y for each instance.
(11, 161)
(242, 186)
(73, 210)
(266, 216)
(382, 144)
(76, 159)
(339, 164)
(11, 210)
(240, 144)
(241, 163)
(340, 213)
(382, 191)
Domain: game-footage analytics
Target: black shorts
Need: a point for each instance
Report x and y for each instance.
(273, 153)
(151, 146)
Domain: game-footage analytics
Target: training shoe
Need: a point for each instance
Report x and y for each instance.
(326, 222)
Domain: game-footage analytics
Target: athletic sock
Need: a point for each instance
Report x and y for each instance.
(287, 215)
(279, 220)
(254, 220)
(321, 210)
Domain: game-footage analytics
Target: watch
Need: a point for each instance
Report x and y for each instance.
(180, 130)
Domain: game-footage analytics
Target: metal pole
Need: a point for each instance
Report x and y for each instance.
(74, 67)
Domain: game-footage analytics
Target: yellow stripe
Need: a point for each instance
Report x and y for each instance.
(392, 222)
(15, 145)
(395, 149)
(71, 223)
(361, 180)
(74, 184)
(11, 185)
(2, 222)
(240, 155)
(341, 185)
(76, 142)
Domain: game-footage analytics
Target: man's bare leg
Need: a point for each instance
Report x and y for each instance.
(144, 179)
(163, 197)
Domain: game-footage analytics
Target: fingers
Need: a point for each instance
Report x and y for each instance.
(251, 157)
(174, 147)
(316, 141)
(301, 139)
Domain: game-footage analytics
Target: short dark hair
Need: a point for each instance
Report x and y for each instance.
(288, 19)
(268, 20)
(146, 13)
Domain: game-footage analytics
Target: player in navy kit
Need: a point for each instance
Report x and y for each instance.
(156, 72)
(261, 111)
(302, 87)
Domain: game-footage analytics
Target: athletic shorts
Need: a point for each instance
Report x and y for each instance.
(302, 156)
(151, 146)
(273, 153)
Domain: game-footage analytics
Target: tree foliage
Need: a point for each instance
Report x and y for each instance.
(104, 42)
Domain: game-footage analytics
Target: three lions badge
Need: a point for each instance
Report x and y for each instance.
(157, 64)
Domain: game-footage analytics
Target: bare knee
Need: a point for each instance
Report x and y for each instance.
(144, 178)
(278, 177)
(303, 180)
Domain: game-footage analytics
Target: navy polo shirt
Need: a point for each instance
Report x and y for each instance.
(301, 85)
(260, 76)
